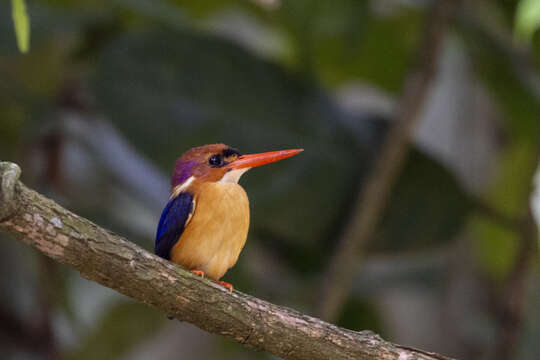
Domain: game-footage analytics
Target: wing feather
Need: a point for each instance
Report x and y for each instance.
(172, 223)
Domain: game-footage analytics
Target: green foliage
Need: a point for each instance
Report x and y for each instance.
(383, 59)
(413, 220)
(13, 116)
(494, 246)
(203, 8)
(168, 81)
(519, 106)
(22, 24)
(334, 41)
(438, 213)
(527, 19)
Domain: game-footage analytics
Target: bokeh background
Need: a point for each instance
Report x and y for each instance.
(111, 92)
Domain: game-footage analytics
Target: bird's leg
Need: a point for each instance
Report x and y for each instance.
(227, 285)
(198, 272)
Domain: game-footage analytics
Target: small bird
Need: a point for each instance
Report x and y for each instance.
(204, 225)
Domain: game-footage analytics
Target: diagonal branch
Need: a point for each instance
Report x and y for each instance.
(374, 195)
(121, 265)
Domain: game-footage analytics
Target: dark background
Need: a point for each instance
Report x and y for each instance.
(112, 92)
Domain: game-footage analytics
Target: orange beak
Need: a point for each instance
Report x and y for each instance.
(253, 160)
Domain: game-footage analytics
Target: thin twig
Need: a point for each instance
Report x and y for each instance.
(509, 306)
(512, 301)
(497, 216)
(374, 195)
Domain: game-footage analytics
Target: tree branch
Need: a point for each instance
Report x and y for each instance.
(374, 195)
(114, 262)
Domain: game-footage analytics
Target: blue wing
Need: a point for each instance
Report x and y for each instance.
(171, 224)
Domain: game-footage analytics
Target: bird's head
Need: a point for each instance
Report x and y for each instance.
(220, 163)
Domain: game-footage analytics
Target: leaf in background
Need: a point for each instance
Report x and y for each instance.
(494, 67)
(336, 41)
(171, 90)
(494, 246)
(527, 19)
(420, 219)
(22, 24)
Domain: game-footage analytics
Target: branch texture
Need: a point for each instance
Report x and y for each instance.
(112, 261)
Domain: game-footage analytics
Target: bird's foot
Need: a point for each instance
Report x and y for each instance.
(198, 272)
(227, 285)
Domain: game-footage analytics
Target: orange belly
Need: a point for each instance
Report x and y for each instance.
(216, 232)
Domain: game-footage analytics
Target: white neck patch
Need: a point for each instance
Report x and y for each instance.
(183, 186)
(233, 176)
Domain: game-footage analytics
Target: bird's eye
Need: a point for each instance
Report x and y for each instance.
(215, 160)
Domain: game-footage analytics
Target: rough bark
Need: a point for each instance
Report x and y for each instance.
(112, 261)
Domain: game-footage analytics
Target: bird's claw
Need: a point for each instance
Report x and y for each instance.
(227, 285)
(197, 272)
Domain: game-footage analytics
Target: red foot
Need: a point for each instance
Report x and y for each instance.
(227, 285)
(198, 272)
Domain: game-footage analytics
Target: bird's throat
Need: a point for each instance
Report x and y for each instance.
(232, 177)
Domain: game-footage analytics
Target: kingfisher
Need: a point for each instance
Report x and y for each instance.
(205, 223)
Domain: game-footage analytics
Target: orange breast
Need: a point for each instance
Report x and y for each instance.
(217, 230)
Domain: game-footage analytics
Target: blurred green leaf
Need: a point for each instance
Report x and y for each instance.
(497, 70)
(527, 19)
(337, 41)
(22, 24)
(382, 59)
(13, 120)
(413, 219)
(495, 247)
(418, 219)
(203, 8)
